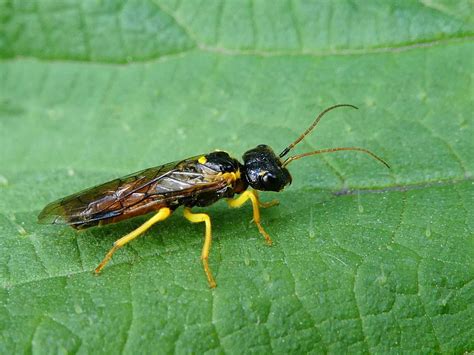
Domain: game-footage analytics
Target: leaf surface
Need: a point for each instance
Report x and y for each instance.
(365, 259)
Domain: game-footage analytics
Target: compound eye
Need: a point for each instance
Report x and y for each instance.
(268, 179)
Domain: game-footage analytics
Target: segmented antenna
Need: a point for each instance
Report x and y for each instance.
(331, 150)
(310, 128)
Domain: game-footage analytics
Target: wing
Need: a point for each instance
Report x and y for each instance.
(129, 196)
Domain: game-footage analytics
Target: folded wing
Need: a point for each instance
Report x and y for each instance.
(129, 196)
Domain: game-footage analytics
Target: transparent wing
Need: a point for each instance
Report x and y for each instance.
(131, 195)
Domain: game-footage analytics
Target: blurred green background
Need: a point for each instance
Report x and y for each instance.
(365, 260)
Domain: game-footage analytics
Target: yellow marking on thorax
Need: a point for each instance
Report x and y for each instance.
(202, 160)
(232, 177)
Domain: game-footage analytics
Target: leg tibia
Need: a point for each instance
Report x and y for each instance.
(253, 197)
(199, 218)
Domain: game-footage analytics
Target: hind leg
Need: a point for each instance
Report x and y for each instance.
(161, 215)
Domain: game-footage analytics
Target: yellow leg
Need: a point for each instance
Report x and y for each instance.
(161, 215)
(266, 204)
(197, 218)
(253, 197)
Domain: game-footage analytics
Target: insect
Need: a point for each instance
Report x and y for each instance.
(197, 181)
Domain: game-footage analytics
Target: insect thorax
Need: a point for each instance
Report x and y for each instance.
(222, 172)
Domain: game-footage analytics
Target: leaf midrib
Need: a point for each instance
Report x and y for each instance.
(399, 48)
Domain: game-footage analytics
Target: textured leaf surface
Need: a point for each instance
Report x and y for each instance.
(365, 259)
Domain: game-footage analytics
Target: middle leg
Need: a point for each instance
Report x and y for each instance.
(197, 218)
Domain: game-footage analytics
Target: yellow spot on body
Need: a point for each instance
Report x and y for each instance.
(202, 160)
(231, 177)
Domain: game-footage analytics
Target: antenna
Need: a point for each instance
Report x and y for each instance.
(331, 150)
(310, 128)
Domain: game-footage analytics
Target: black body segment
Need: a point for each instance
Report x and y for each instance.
(264, 170)
(222, 170)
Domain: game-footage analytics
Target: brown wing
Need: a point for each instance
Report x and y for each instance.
(129, 196)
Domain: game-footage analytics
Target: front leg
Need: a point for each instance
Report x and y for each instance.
(253, 197)
(266, 204)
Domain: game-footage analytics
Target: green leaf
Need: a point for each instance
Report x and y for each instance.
(365, 259)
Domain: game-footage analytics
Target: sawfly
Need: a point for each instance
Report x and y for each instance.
(197, 181)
